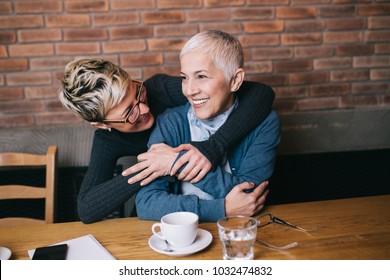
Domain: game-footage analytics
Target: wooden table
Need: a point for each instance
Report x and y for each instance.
(356, 228)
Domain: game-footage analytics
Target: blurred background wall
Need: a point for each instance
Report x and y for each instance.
(316, 54)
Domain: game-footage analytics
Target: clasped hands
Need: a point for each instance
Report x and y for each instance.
(160, 161)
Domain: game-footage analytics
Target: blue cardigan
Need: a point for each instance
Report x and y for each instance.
(252, 160)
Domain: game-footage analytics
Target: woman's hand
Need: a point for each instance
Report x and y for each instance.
(197, 164)
(238, 202)
(154, 163)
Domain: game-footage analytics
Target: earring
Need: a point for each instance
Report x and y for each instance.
(109, 129)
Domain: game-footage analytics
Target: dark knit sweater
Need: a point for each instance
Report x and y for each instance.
(101, 193)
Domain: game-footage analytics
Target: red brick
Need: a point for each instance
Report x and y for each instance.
(11, 93)
(3, 51)
(78, 48)
(85, 35)
(112, 19)
(377, 36)
(41, 92)
(13, 64)
(163, 17)
(253, 13)
(263, 26)
(255, 67)
(282, 106)
(172, 58)
(208, 15)
(300, 2)
(269, 79)
(259, 40)
(291, 92)
(31, 50)
(295, 12)
(1, 80)
(301, 39)
(175, 30)
(349, 75)
(272, 53)
(86, 6)
(68, 20)
(334, 89)
(135, 32)
(378, 22)
(308, 78)
(33, 78)
(39, 7)
(16, 120)
(371, 61)
(359, 101)
(382, 48)
(377, 9)
(337, 11)
(225, 3)
(39, 35)
(55, 62)
(351, 1)
(229, 27)
(22, 106)
(170, 70)
(5, 8)
(293, 66)
(318, 103)
(29, 21)
(355, 50)
(380, 74)
(54, 105)
(267, 2)
(332, 63)
(315, 51)
(304, 25)
(7, 37)
(166, 4)
(141, 59)
(345, 24)
(124, 46)
(343, 37)
(370, 88)
(56, 118)
(165, 44)
(132, 5)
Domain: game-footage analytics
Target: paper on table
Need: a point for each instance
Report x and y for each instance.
(83, 248)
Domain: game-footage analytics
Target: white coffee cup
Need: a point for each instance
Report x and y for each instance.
(178, 228)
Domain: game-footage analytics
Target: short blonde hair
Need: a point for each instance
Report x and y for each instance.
(225, 50)
(90, 87)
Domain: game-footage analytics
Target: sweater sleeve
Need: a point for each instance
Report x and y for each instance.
(255, 101)
(101, 193)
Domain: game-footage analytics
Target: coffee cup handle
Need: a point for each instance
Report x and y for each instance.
(157, 234)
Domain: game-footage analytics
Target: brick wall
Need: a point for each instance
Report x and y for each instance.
(317, 54)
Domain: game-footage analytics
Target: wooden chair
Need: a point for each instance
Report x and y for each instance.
(49, 161)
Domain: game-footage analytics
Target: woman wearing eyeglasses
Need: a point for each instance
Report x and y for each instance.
(124, 112)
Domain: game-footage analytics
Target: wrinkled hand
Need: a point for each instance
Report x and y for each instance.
(238, 202)
(154, 163)
(197, 167)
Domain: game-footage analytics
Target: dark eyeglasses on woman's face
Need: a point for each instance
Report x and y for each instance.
(134, 112)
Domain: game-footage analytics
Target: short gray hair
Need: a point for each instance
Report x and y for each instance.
(225, 50)
(91, 87)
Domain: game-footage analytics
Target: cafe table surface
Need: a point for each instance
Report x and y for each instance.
(352, 229)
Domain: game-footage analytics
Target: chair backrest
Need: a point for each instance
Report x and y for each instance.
(47, 192)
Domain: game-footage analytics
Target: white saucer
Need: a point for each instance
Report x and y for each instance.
(5, 253)
(202, 240)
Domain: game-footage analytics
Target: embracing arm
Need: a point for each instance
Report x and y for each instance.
(252, 161)
(255, 104)
(158, 199)
(101, 194)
